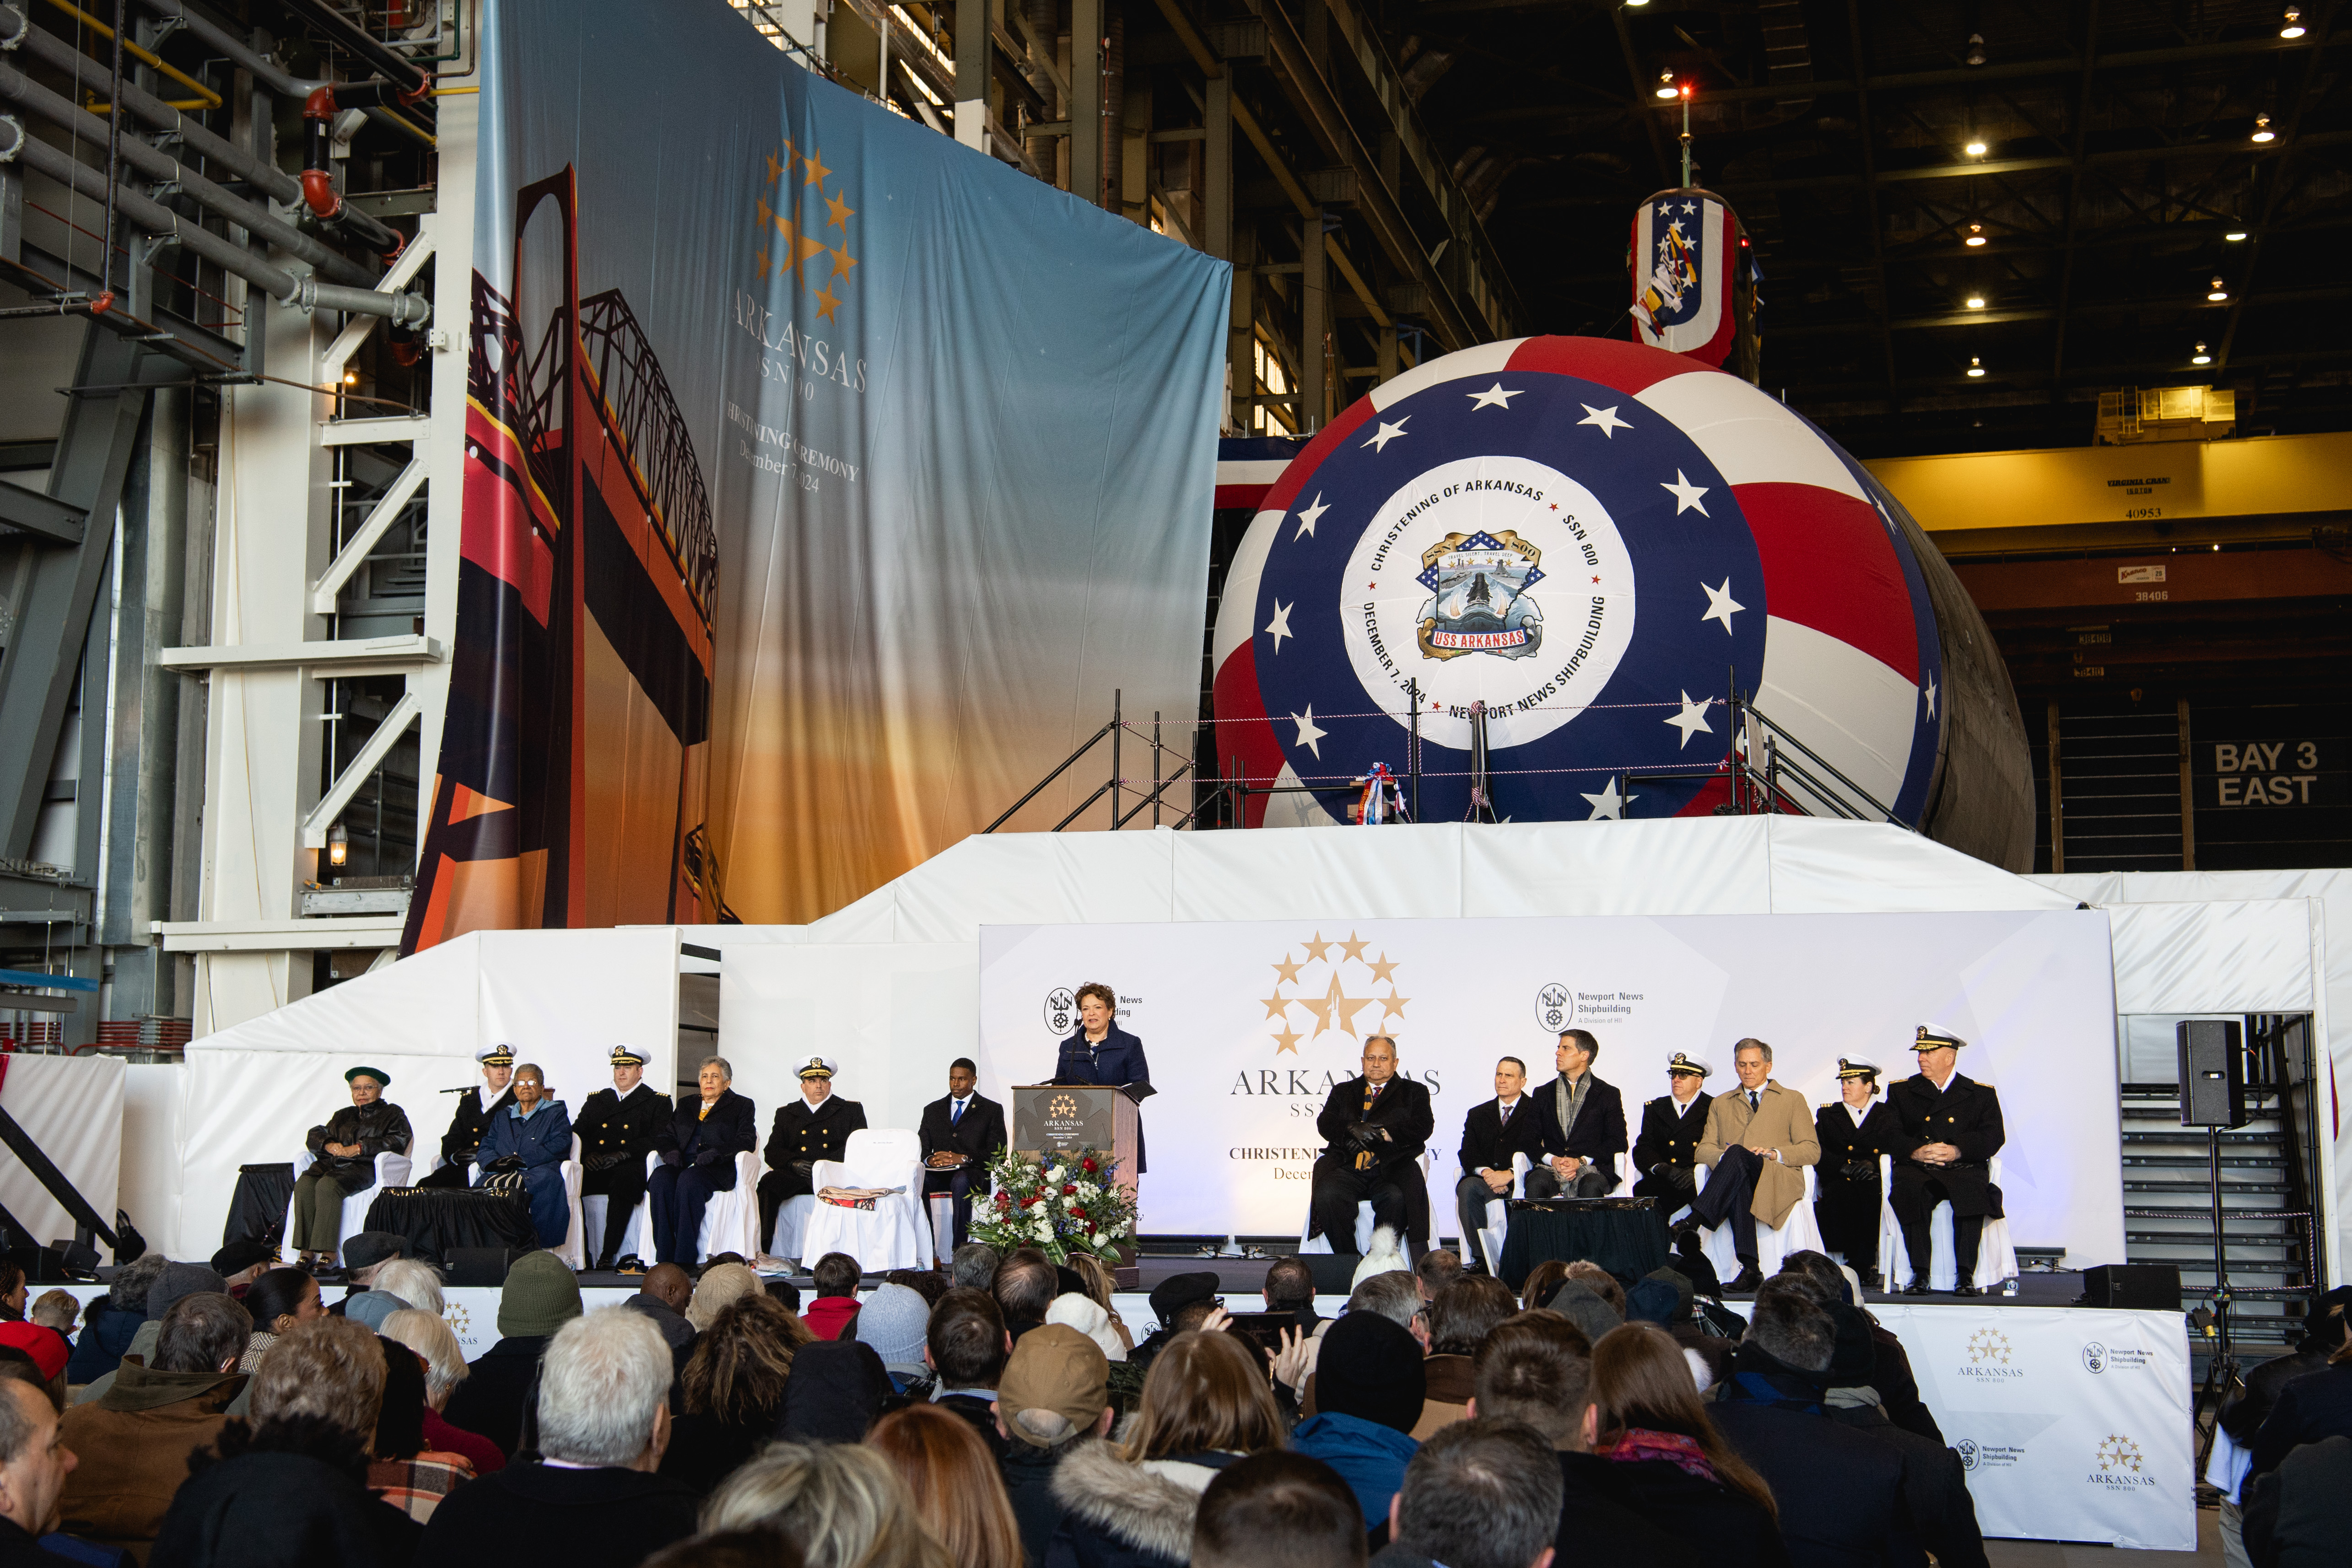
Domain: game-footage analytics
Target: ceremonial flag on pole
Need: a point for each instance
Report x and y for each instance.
(1684, 260)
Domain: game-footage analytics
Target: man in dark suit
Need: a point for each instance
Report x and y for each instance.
(814, 1127)
(1101, 1052)
(1374, 1128)
(1492, 1132)
(697, 1158)
(1671, 1128)
(467, 1124)
(1947, 1130)
(1583, 1120)
(960, 1134)
(618, 1127)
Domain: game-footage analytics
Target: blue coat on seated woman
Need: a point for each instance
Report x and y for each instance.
(542, 1140)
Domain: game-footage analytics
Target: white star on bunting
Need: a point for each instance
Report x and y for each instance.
(1691, 721)
(1310, 734)
(1720, 604)
(1308, 516)
(1604, 419)
(1386, 434)
(1931, 697)
(1686, 495)
(1279, 627)
(1609, 804)
(1493, 397)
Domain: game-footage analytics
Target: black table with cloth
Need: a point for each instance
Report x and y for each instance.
(256, 1212)
(438, 1220)
(1623, 1235)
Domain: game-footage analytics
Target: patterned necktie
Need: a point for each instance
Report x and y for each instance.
(1507, 1115)
(1372, 1092)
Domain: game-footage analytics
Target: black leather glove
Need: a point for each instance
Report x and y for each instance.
(707, 1157)
(606, 1162)
(1365, 1134)
(672, 1158)
(1858, 1170)
(505, 1163)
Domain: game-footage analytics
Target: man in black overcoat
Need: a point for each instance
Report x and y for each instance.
(617, 1128)
(472, 1118)
(961, 1133)
(816, 1126)
(1374, 1128)
(1947, 1129)
(1583, 1119)
(1672, 1127)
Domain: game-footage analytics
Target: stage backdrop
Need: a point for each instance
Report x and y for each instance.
(824, 479)
(1248, 1024)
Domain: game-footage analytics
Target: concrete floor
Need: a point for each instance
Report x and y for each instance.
(2077, 1554)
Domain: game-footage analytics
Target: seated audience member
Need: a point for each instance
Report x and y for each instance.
(1290, 1288)
(1395, 1296)
(724, 1281)
(239, 1263)
(133, 1439)
(1179, 1303)
(965, 1346)
(1085, 1314)
(416, 1284)
(407, 1472)
(973, 1267)
(664, 1297)
(1583, 1305)
(1890, 1372)
(54, 1309)
(1461, 1316)
(929, 1283)
(892, 1321)
(1542, 1281)
(113, 1319)
(173, 1281)
(836, 1275)
(279, 1300)
(1205, 1405)
(784, 1293)
(365, 1253)
(14, 1291)
(2308, 1410)
(1481, 1494)
(1670, 1465)
(435, 1343)
(958, 1494)
(734, 1390)
(1839, 1491)
(836, 1390)
(540, 1297)
(1437, 1269)
(36, 1358)
(1052, 1395)
(838, 1505)
(2243, 1417)
(35, 1467)
(1369, 1393)
(1278, 1509)
(1603, 1283)
(2300, 1514)
(592, 1500)
(290, 1488)
(1536, 1369)
(1102, 1289)
(1025, 1286)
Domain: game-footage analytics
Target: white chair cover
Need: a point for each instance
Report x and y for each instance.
(1800, 1232)
(1996, 1253)
(792, 1227)
(895, 1233)
(731, 1222)
(390, 1170)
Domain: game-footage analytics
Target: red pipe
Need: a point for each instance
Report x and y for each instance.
(318, 183)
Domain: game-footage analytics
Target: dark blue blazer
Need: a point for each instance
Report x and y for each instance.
(1600, 1130)
(1118, 1059)
(713, 1141)
(544, 1139)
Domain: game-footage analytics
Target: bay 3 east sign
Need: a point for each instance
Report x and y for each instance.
(2268, 773)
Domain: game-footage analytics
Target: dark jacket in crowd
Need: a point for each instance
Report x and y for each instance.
(132, 1443)
(1898, 1388)
(2307, 1409)
(1840, 1490)
(1723, 1528)
(705, 1450)
(1118, 1515)
(2244, 1416)
(1028, 1472)
(104, 1340)
(2300, 1515)
(258, 1505)
(1596, 1525)
(542, 1513)
(1934, 1487)
(497, 1389)
(376, 1127)
(19, 1549)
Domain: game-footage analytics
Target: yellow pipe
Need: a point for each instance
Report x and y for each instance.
(211, 98)
(453, 91)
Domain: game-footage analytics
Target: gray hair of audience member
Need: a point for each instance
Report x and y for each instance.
(973, 1267)
(430, 1336)
(842, 1504)
(17, 1422)
(1822, 1270)
(1395, 1295)
(1789, 1326)
(1481, 1494)
(1289, 1282)
(1437, 1269)
(202, 1332)
(413, 1281)
(330, 1367)
(1463, 1314)
(1536, 1367)
(129, 1291)
(602, 1387)
(1278, 1509)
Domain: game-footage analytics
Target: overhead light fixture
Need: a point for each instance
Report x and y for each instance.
(2293, 25)
(2263, 131)
(2234, 236)
(1666, 87)
(1976, 367)
(2218, 292)
(1975, 301)
(1975, 147)
(339, 845)
(1976, 55)
(1976, 235)
(350, 378)
(2201, 357)
(1635, 5)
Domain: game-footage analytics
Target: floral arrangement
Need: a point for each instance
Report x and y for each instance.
(1061, 1204)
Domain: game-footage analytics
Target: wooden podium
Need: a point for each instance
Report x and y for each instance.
(1060, 1118)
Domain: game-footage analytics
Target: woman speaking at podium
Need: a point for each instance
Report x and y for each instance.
(1101, 1052)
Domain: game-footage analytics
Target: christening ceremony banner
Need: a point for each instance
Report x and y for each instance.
(824, 479)
(1248, 1025)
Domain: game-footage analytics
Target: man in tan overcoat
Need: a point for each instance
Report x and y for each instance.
(1755, 1139)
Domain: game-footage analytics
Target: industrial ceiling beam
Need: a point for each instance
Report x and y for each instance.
(2074, 191)
(1883, 308)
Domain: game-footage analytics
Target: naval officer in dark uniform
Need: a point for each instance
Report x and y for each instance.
(1672, 1125)
(1947, 1129)
(618, 1127)
(961, 1133)
(814, 1127)
(466, 1126)
(1853, 1134)
(1101, 1052)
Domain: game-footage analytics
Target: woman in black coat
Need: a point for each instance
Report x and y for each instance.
(697, 1152)
(1853, 1134)
(1670, 1465)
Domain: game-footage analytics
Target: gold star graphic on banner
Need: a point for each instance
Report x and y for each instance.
(1384, 969)
(1396, 1004)
(814, 163)
(798, 247)
(775, 167)
(839, 212)
(760, 256)
(827, 302)
(1341, 1008)
(767, 213)
(1354, 946)
(1275, 1005)
(1286, 1038)
(842, 260)
(1288, 969)
(1315, 945)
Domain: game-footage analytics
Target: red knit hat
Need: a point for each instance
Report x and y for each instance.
(45, 1345)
